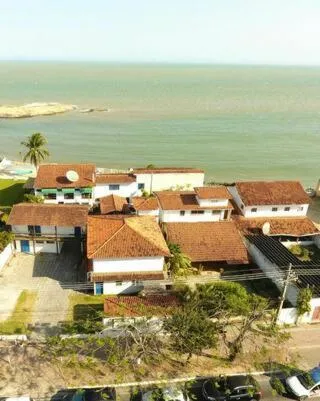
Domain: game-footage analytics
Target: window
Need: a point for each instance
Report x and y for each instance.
(274, 209)
(242, 206)
(182, 212)
(50, 242)
(300, 209)
(197, 211)
(68, 196)
(254, 210)
(114, 187)
(50, 196)
(39, 242)
(85, 196)
(215, 212)
(141, 186)
(31, 230)
(118, 283)
(287, 209)
(37, 230)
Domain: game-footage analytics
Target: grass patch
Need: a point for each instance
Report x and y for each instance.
(83, 306)
(21, 316)
(11, 192)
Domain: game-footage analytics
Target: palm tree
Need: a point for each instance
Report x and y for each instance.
(36, 150)
(178, 264)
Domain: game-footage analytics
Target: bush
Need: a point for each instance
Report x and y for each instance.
(5, 239)
(29, 198)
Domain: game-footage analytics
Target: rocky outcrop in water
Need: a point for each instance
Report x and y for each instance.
(34, 109)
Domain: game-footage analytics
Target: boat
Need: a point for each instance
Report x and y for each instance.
(310, 191)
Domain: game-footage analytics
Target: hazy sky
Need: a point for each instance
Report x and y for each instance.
(214, 31)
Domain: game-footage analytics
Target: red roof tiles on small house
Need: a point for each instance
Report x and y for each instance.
(254, 193)
(115, 178)
(208, 241)
(54, 176)
(150, 305)
(144, 204)
(43, 214)
(112, 204)
(213, 192)
(124, 237)
(183, 200)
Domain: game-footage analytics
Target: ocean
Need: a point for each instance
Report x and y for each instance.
(236, 122)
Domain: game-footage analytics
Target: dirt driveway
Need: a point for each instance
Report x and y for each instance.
(45, 274)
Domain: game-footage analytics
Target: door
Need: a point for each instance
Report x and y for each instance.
(99, 288)
(316, 313)
(25, 247)
(77, 232)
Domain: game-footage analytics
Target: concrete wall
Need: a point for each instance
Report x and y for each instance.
(272, 271)
(266, 210)
(127, 265)
(6, 254)
(162, 181)
(289, 315)
(126, 190)
(173, 216)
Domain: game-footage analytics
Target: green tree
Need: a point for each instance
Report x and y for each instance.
(191, 331)
(303, 301)
(5, 239)
(239, 315)
(178, 264)
(36, 150)
(29, 198)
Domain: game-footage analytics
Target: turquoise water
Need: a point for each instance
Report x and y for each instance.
(235, 122)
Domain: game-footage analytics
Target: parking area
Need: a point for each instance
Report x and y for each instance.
(45, 274)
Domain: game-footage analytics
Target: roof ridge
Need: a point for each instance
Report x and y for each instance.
(146, 237)
(106, 241)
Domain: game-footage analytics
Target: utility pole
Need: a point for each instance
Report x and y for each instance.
(283, 296)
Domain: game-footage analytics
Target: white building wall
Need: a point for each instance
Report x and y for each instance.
(44, 247)
(266, 210)
(212, 202)
(47, 230)
(126, 287)
(126, 190)
(127, 265)
(60, 199)
(6, 254)
(173, 216)
(162, 181)
(272, 271)
(290, 316)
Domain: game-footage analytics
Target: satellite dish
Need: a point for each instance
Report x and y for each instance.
(72, 176)
(266, 228)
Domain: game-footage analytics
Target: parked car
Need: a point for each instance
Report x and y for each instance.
(222, 388)
(304, 385)
(165, 394)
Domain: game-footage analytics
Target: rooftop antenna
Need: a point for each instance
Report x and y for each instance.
(266, 228)
(72, 176)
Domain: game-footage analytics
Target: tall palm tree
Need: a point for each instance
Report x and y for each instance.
(36, 150)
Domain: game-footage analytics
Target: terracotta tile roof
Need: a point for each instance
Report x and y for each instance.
(54, 176)
(295, 226)
(183, 200)
(43, 214)
(112, 203)
(208, 242)
(272, 193)
(214, 192)
(152, 305)
(131, 276)
(140, 203)
(124, 237)
(167, 170)
(115, 178)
